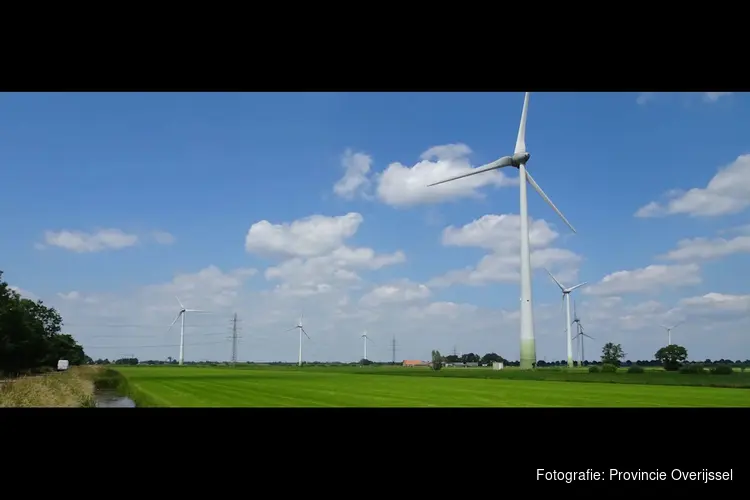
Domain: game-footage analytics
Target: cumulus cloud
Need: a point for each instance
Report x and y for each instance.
(401, 292)
(727, 192)
(24, 293)
(500, 235)
(355, 180)
(705, 248)
(82, 242)
(307, 237)
(402, 186)
(647, 279)
(316, 253)
(717, 302)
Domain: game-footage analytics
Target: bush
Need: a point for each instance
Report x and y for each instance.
(635, 369)
(693, 369)
(594, 369)
(608, 368)
(722, 370)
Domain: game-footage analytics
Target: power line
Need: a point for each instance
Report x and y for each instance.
(148, 346)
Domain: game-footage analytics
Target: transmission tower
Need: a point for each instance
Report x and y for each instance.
(393, 349)
(234, 339)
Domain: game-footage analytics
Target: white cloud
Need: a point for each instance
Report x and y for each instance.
(307, 237)
(355, 180)
(24, 293)
(727, 192)
(647, 279)
(501, 235)
(402, 186)
(319, 257)
(704, 248)
(82, 242)
(402, 292)
(163, 237)
(718, 302)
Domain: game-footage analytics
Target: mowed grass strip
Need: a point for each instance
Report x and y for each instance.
(284, 387)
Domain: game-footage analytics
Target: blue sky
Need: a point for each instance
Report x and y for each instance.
(180, 182)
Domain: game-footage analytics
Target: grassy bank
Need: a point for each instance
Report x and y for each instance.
(72, 388)
(378, 387)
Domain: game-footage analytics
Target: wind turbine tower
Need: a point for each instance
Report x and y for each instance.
(566, 299)
(365, 338)
(301, 331)
(519, 160)
(669, 331)
(181, 316)
(579, 335)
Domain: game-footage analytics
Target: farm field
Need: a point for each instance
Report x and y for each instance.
(270, 386)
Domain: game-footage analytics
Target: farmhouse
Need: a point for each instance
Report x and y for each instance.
(415, 362)
(462, 365)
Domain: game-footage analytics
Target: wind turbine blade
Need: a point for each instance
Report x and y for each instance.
(579, 285)
(174, 321)
(666, 328)
(562, 304)
(549, 202)
(178, 301)
(303, 331)
(505, 161)
(196, 311)
(575, 314)
(678, 324)
(589, 336)
(292, 328)
(553, 279)
(521, 139)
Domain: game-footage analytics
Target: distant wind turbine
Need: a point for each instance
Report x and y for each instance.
(518, 160)
(181, 315)
(566, 299)
(365, 338)
(301, 331)
(579, 335)
(669, 331)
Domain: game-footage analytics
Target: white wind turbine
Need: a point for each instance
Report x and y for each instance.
(566, 299)
(365, 338)
(181, 315)
(669, 331)
(580, 336)
(301, 331)
(518, 160)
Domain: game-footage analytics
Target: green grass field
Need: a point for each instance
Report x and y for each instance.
(267, 386)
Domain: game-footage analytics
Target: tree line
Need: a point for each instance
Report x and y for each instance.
(30, 336)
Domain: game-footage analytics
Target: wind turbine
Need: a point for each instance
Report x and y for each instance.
(365, 338)
(566, 299)
(518, 160)
(301, 331)
(669, 331)
(181, 315)
(580, 335)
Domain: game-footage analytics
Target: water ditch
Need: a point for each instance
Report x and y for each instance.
(110, 390)
(109, 398)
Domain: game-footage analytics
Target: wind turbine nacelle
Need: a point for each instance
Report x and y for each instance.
(520, 158)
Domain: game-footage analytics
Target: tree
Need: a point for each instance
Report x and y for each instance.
(437, 360)
(491, 357)
(30, 335)
(612, 354)
(671, 357)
